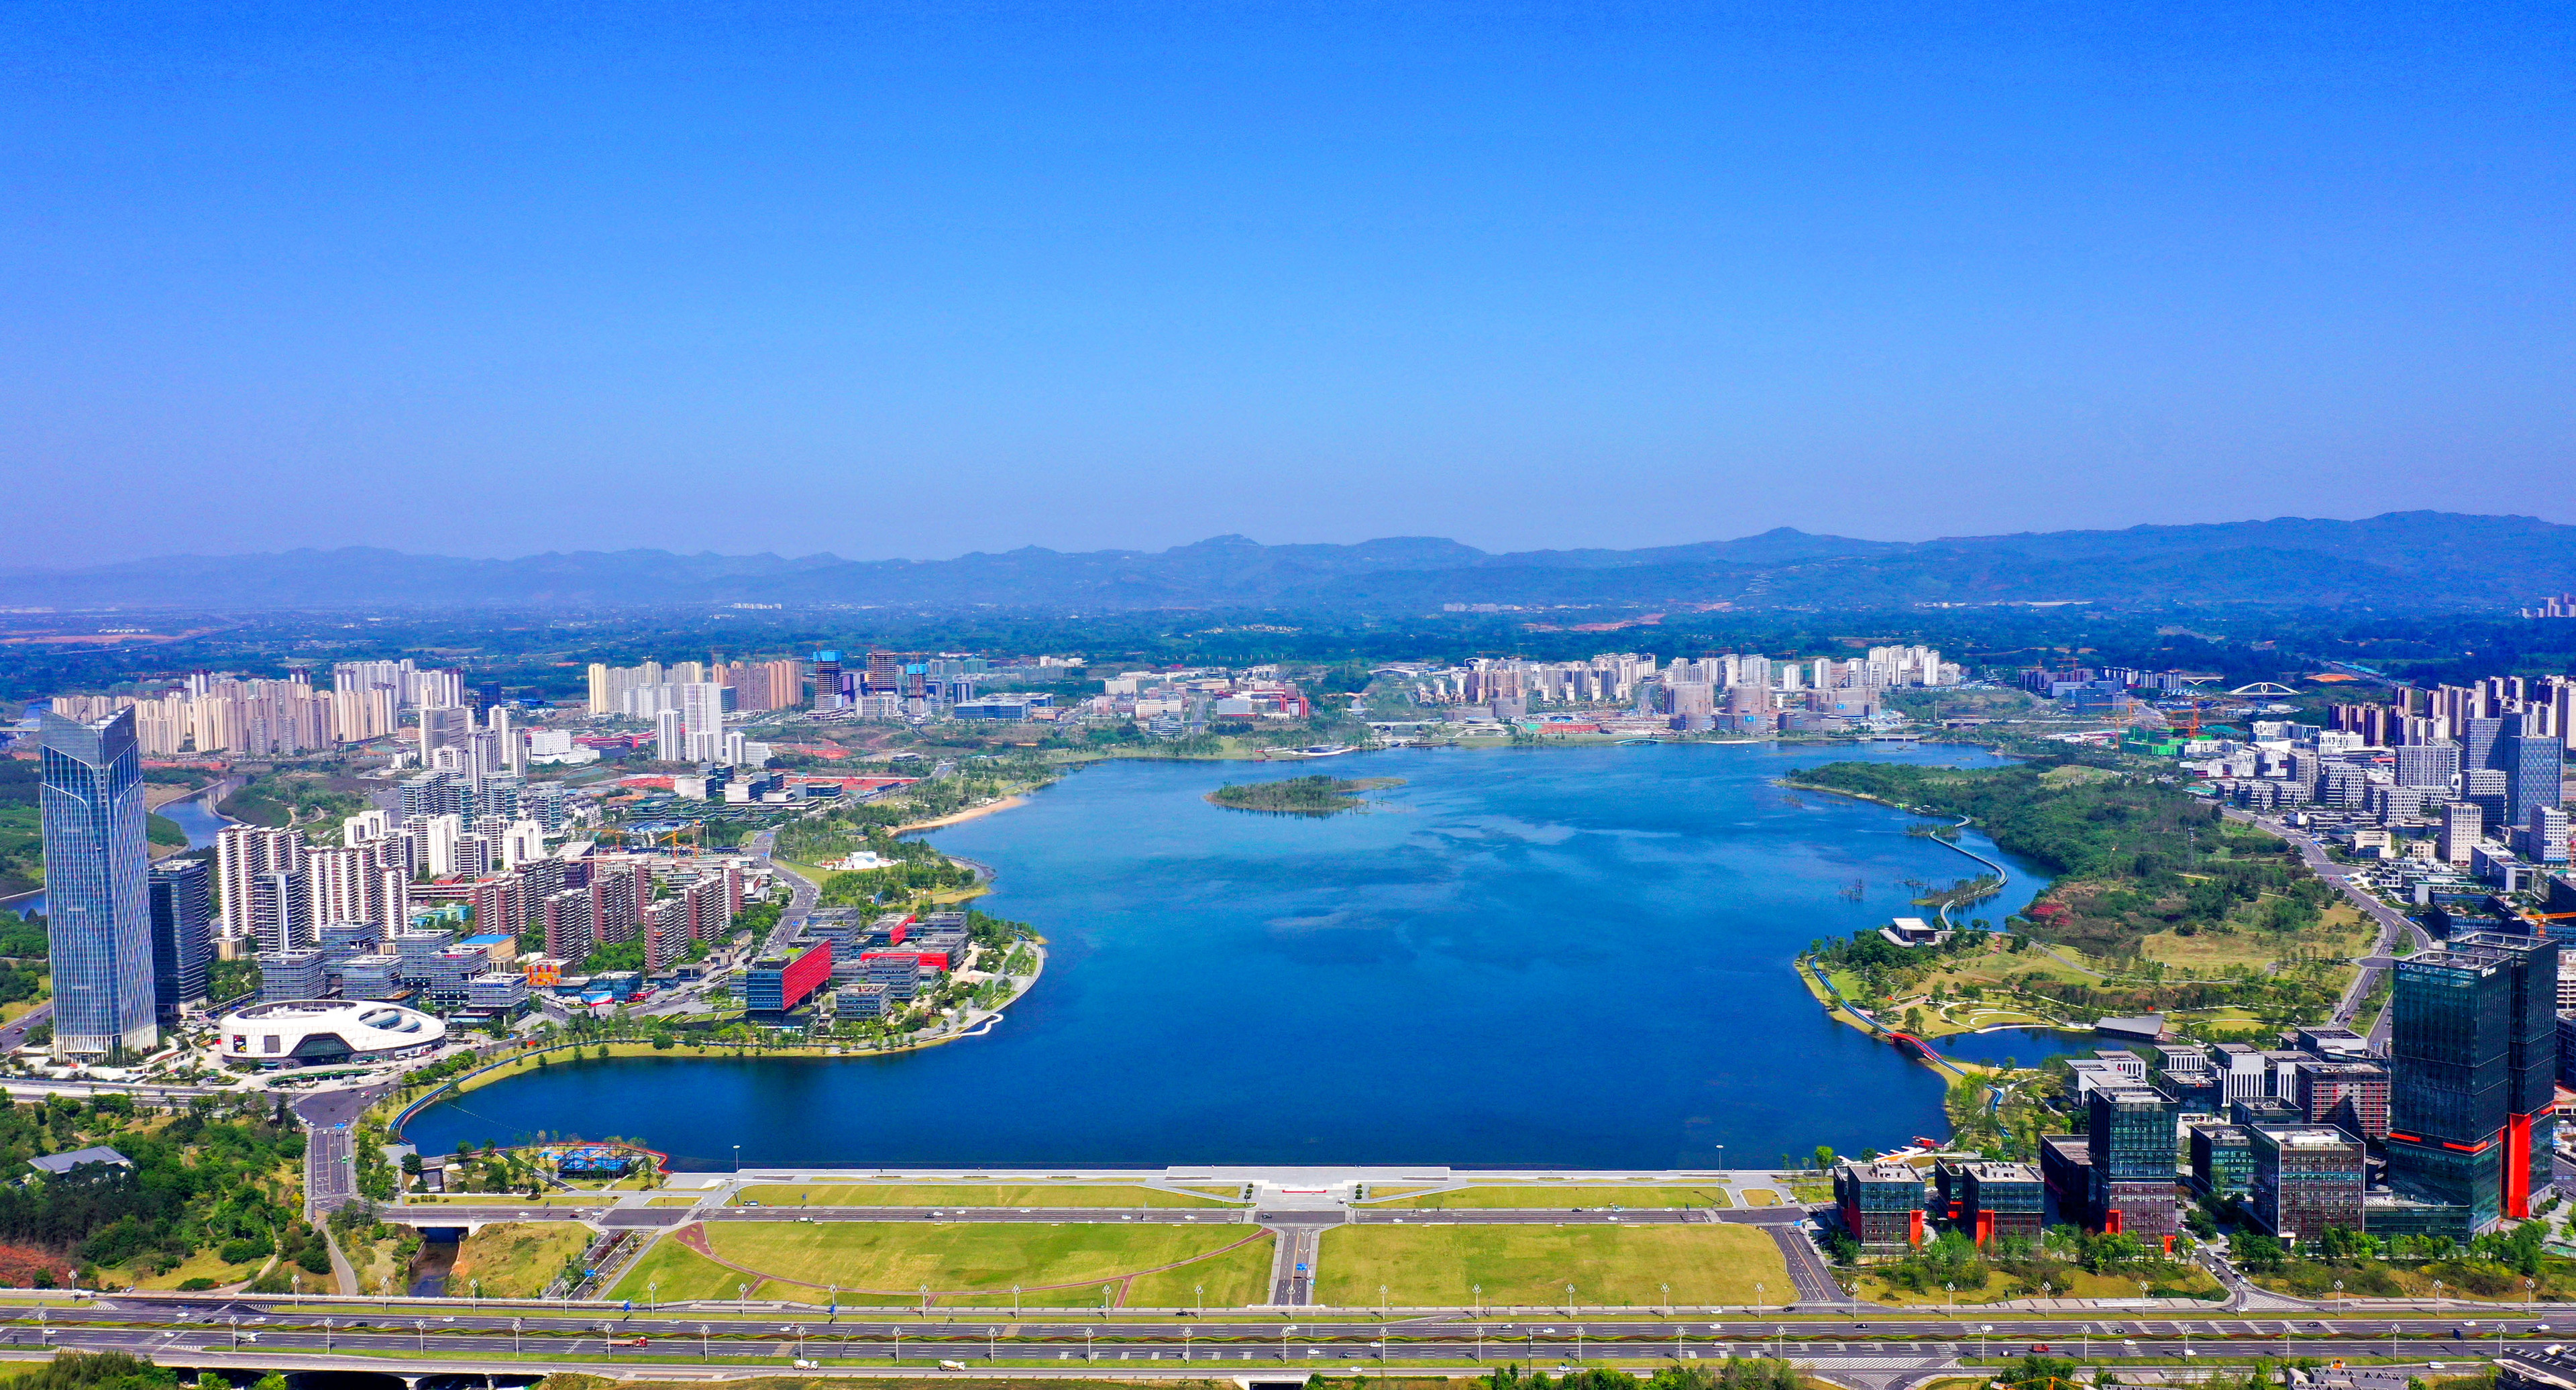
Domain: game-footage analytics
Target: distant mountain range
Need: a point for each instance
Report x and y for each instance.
(2407, 560)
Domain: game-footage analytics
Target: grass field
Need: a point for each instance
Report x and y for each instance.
(684, 1275)
(1438, 1266)
(1562, 1198)
(941, 1195)
(517, 1259)
(898, 1257)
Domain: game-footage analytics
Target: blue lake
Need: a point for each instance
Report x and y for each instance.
(1548, 957)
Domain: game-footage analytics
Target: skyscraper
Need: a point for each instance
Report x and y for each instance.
(99, 923)
(181, 905)
(2533, 765)
(2132, 1136)
(2474, 1049)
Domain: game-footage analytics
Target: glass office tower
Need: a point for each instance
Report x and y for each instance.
(181, 905)
(2474, 1047)
(99, 917)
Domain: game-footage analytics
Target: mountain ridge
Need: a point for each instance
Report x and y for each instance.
(2417, 559)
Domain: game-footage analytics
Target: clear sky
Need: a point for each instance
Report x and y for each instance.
(888, 279)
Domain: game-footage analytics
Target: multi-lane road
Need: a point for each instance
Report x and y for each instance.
(171, 1329)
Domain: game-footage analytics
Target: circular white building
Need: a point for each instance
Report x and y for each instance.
(325, 1033)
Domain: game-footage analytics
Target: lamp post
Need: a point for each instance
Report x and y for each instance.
(1381, 1301)
(1668, 1298)
(741, 1297)
(326, 1334)
(1479, 1291)
(1199, 1291)
(1284, 1330)
(925, 1300)
(420, 1329)
(1569, 1300)
(1757, 1295)
(703, 1353)
(1015, 1303)
(1951, 1292)
(477, 1286)
(516, 1326)
(1086, 1344)
(1987, 1329)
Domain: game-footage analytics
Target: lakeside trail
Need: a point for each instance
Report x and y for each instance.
(971, 813)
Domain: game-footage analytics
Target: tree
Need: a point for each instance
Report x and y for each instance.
(2260, 1253)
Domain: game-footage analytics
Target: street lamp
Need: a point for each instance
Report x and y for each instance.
(1200, 1292)
(1569, 1300)
(1757, 1295)
(1086, 1344)
(1951, 1291)
(653, 1298)
(1015, 1302)
(1381, 1300)
(741, 1297)
(516, 1325)
(925, 1300)
(477, 1286)
(1668, 1298)
(1479, 1291)
(703, 1353)
(1284, 1330)
(737, 1160)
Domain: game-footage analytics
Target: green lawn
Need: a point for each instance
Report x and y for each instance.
(943, 1195)
(1561, 1197)
(898, 1257)
(1438, 1266)
(517, 1259)
(684, 1274)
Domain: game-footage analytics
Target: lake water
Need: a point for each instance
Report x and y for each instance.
(1547, 957)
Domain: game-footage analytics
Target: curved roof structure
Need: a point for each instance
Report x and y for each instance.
(316, 1032)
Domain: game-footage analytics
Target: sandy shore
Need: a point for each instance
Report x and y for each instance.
(1004, 804)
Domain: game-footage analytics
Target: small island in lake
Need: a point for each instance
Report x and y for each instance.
(1318, 795)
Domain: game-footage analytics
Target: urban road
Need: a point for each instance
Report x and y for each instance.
(1876, 1349)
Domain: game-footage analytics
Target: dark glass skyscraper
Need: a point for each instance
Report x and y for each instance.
(2533, 765)
(99, 918)
(2474, 1048)
(181, 905)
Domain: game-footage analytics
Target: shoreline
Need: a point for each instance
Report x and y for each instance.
(521, 1064)
(961, 817)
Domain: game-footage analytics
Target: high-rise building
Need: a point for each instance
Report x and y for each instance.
(670, 736)
(2478, 738)
(242, 853)
(2463, 825)
(2533, 762)
(98, 908)
(181, 929)
(2133, 1139)
(2473, 1048)
(281, 910)
(2305, 1181)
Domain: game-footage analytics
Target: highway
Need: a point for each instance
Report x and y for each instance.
(170, 1328)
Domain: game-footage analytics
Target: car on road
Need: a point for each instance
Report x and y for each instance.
(952, 1365)
(2039, 1348)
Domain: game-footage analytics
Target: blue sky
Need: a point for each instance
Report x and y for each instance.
(914, 280)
